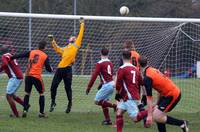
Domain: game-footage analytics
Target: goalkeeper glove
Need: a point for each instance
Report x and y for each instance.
(81, 20)
(50, 36)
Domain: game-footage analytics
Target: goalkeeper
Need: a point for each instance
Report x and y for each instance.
(64, 70)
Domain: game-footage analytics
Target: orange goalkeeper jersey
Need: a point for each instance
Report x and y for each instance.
(69, 52)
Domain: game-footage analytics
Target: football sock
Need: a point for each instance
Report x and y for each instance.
(41, 102)
(161, 127)
(12, 105)
(173, 121)
(106, 113)
(19, 100)
(26, 102)
(120, 123)
(141, 115)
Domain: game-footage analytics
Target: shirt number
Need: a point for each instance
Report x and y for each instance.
(133, 80)
(109, 70)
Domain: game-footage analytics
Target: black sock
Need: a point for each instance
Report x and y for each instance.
(53, 101)
(41, 102)
(173, 121)
(26, 102)
(161, 127)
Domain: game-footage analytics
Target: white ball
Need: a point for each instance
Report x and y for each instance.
(124, 10)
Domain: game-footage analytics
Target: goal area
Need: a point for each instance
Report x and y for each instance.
(171, 45)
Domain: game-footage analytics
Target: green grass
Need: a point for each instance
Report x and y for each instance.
(85, 116)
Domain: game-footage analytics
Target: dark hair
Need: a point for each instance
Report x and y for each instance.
(42, 45)
(104, 51)
(143, 61)
(129, 45)
(126, 55)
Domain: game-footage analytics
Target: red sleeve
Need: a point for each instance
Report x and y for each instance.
(94, 75)
(4, 63)
(119, 80)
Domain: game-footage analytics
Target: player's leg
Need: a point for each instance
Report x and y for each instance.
(104, 94)
(38, 83)
(102, 99)
(166, 104)
(133, 111)
(18, 100)
(28, 88)
(54, 85)
(121, 108)
(15, 97)
(13, 85)
(67, 77)
(106, 114)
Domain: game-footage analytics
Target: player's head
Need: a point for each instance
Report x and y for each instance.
(104, 51)
(42, 45)
(129, 45)
(143, 61)
(126, 55)
(3, 49)
(72, 39)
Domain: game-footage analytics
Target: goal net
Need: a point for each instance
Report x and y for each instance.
(171, 45)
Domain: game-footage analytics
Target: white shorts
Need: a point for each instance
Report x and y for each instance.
(105, 92)
(131, 106)
(13, 85)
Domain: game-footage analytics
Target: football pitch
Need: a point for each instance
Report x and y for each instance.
(85, 116)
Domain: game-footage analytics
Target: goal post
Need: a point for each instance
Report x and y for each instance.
(171, 45)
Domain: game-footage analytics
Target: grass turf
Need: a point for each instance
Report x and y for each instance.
(85, 116)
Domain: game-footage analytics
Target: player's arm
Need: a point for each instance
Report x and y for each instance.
(57, 49)
(5, 60)
(23, 55)
(47, 65)
(119, 82)
(148, 86)
(93, 78)
(81, 31)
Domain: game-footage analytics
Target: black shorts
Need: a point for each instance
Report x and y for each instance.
(166, 104)
(30, 81)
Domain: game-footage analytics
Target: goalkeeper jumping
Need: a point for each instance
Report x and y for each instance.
(64, 70)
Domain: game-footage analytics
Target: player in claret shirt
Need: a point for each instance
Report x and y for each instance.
(169, 93)
(103, 69)
(128, 85)
(13, 70)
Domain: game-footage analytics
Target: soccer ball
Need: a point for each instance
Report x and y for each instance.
(124, 10)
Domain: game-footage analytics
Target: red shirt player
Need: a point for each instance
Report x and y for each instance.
(13, 70)
(129, 45)
(128, 84)
(103, 69)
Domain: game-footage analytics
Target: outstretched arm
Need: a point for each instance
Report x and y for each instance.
(47, 65)
(93, 78)
(81, 31)
(23, 55)
(58, 49)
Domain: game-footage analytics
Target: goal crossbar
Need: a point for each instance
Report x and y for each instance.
(108, 18)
